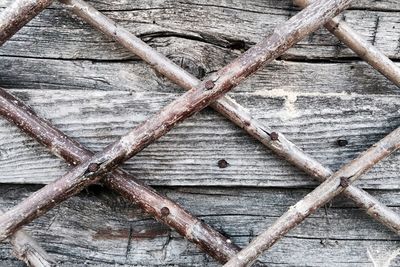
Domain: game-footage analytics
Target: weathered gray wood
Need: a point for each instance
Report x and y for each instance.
(235, 24)
(255, 5)
(316, 199)
(95, 229)
(313, 109)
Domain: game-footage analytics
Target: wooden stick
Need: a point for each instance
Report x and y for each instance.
(26, 249)
(15, 16)
(360, 46)
(217, 84)
(192, 228)
(334, 185)
(231, 110)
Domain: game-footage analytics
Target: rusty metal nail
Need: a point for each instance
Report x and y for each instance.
(209, 85)
(165, 211)
(342, 142)
(93, 167)
(344, 182)
(274, 136)
(222, 163)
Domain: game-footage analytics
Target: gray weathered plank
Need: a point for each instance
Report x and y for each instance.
(101, 229)
(315, 104)
(231, 24)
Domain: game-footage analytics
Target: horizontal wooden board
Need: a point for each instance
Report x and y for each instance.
(314, 104)
(234, 25)
(100, 229)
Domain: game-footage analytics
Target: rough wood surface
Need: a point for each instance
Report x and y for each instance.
(110, 232)
(314, 114)
(235, 24)
(320, 196)
(214, 86)
(69, 73)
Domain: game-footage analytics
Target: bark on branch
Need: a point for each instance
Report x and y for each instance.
(231, 110)
(192, 228)
(15, 16)
(90, 171)
(26, 249)
(360, 46)
(333, 186)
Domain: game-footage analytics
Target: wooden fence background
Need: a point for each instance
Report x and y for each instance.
(95, 91)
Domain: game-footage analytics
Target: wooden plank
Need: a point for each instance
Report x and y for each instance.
(111, 232)
(315, 105)
(233, 25)
(255, 5)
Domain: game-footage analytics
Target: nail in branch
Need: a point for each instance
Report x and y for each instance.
(192, 228)
(284, 36)
(231, 110)
(360, 46)
(15, 16)
(317, 198)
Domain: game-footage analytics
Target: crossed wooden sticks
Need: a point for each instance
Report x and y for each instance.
(218, 85)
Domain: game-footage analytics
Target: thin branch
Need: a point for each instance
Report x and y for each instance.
(360, 46)
(231, 110)
(20, 12)
(217, 84)
(333, 186)
(26, 249)
(192, 228)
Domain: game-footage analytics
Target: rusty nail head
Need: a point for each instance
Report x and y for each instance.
(209, 85)
(165, 211)
(344, 182)
(274, 136)
(93, 167)
(222, 163)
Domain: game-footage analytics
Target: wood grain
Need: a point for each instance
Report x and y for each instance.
(84, 229)
(313, 111)
(235, 24)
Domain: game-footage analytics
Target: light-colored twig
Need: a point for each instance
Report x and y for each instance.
(160, 207)
(26, 249)
(360, 46)
(217, 84)
(231, 110)
(333, 186)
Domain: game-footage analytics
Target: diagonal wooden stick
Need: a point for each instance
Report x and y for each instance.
(26, 249)
(160, 207)
(193, 229)
(217, 84)
(15, 16)
(333, 186)
(360, 46)
(132, 190)
(231, 110)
